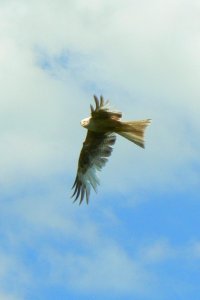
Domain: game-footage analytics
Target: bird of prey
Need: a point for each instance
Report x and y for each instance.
(102, 126)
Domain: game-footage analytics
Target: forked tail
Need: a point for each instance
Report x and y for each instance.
(134, 131)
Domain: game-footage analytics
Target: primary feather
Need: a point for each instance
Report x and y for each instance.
(93, 157)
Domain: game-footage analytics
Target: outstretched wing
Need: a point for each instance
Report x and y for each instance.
(96, 149)
(102, 110)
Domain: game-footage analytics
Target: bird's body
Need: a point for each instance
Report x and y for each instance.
(102, 126)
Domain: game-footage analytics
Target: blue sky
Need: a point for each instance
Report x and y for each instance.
(139, 236)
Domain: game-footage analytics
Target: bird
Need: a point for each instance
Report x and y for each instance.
(102, 127)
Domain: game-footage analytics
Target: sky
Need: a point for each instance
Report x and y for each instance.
(139, 236)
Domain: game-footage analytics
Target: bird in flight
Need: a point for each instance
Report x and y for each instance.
(102, 126)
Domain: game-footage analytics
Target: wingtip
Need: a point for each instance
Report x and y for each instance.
(101, 101)
(92, 108)
(96, 101)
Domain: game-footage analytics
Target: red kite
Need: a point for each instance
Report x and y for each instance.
(102, 126)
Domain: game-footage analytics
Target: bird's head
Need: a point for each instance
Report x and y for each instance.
(85, 122)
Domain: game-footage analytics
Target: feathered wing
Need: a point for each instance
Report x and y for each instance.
(102, 110)
(96, 149)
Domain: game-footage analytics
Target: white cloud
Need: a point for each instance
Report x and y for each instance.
(14, 276)
(157, 252)
(73, 246)
(144, 56)
(107, 269)
(76, 248)
(143, 51)
(193, 251)
(8, 296)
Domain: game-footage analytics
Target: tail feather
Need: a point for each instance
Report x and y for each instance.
(134, 131)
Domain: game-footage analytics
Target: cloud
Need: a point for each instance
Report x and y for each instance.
(14, 276)
(193, 251)
(7, 296)
(157, 252)
(81, 251)
(68, 247)
(114, 271)
(143, 51)
(144, 57)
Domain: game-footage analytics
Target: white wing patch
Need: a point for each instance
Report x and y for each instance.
(93, 157)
